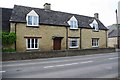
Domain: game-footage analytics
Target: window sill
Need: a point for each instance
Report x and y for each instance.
(73, 47)
(32, 26)
(95, 31)
(73, 28)
(32, 48)
(95, 46)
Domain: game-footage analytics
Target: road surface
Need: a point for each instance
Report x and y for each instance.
(88, 66)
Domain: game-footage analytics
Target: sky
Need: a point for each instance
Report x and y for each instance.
(105, 8)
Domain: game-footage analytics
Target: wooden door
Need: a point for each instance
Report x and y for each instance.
(57, 44)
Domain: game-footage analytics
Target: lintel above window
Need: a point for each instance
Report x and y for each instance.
(32, 18)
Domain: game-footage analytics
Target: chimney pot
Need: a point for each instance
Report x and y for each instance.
(96, 15)
(47, 6)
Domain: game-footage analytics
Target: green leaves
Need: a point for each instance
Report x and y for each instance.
(8, 38)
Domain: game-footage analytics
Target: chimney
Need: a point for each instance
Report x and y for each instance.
(96, 15)
(47, 6)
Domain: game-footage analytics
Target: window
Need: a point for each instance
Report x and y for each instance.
(95, 42)
(73, 43)
(95, 27)
(32, 43)
(33, 21)
(32, 18)
(73, 24)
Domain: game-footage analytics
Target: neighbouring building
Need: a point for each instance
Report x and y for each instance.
(5, 14)
(113, 37)
(114, 32)
(45, 29)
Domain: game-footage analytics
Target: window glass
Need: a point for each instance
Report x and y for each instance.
(29, 20)
(73, 43)
(73, 25)
(28, 43)
(95, 42)
(33, 20)
(95, 27)
(36, 43)
(32, 43)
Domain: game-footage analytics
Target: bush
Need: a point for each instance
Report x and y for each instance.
(8, 38)
(8, 50)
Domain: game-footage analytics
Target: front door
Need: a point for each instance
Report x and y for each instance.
(57, 44)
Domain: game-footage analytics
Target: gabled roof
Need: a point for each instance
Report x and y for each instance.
(114, 33)
(52, 17)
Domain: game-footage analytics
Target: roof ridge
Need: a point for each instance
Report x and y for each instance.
(54, 11)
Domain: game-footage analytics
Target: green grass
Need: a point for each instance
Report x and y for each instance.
(8, 50)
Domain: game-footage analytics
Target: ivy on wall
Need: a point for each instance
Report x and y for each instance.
(8, 38)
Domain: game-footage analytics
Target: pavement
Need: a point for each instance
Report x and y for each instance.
(85, 66)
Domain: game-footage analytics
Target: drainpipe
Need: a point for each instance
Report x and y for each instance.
(106, 39)
(66, 38)
(117, 29)
(15, 33)
(80, 38)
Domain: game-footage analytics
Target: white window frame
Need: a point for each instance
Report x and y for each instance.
(73, 24)
(34, 18)
(95, 41)
(31, 43)
(94, 25)
(70, 43)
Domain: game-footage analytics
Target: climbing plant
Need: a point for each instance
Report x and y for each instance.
(8, 38)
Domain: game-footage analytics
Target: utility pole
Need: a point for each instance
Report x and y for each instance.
(117, 29)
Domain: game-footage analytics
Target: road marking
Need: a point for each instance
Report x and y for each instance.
(2, 71)
(35, 63)
(71, 64)
(87, 62)
(60, 65)
(48, 66)
(113, 58)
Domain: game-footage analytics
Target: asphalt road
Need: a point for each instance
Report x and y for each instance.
(88, 66)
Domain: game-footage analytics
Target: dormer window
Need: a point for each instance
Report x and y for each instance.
(94, 25)
(32, 19)
(73, 23)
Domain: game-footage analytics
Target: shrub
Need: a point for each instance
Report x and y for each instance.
(8, 50)
(8, 38)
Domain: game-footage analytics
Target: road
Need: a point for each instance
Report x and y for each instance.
(88, 66)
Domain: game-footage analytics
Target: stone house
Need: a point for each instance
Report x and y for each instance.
(45, 29)
(113, 37)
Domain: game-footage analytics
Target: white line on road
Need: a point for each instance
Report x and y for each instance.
(35, 63)
(48, 66)
(2, 71)
(87, 62)
(113, 58)
(61, 65)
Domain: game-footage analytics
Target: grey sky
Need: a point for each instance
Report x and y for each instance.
(105, 8)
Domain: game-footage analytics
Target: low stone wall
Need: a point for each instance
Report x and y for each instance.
(50, 54)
